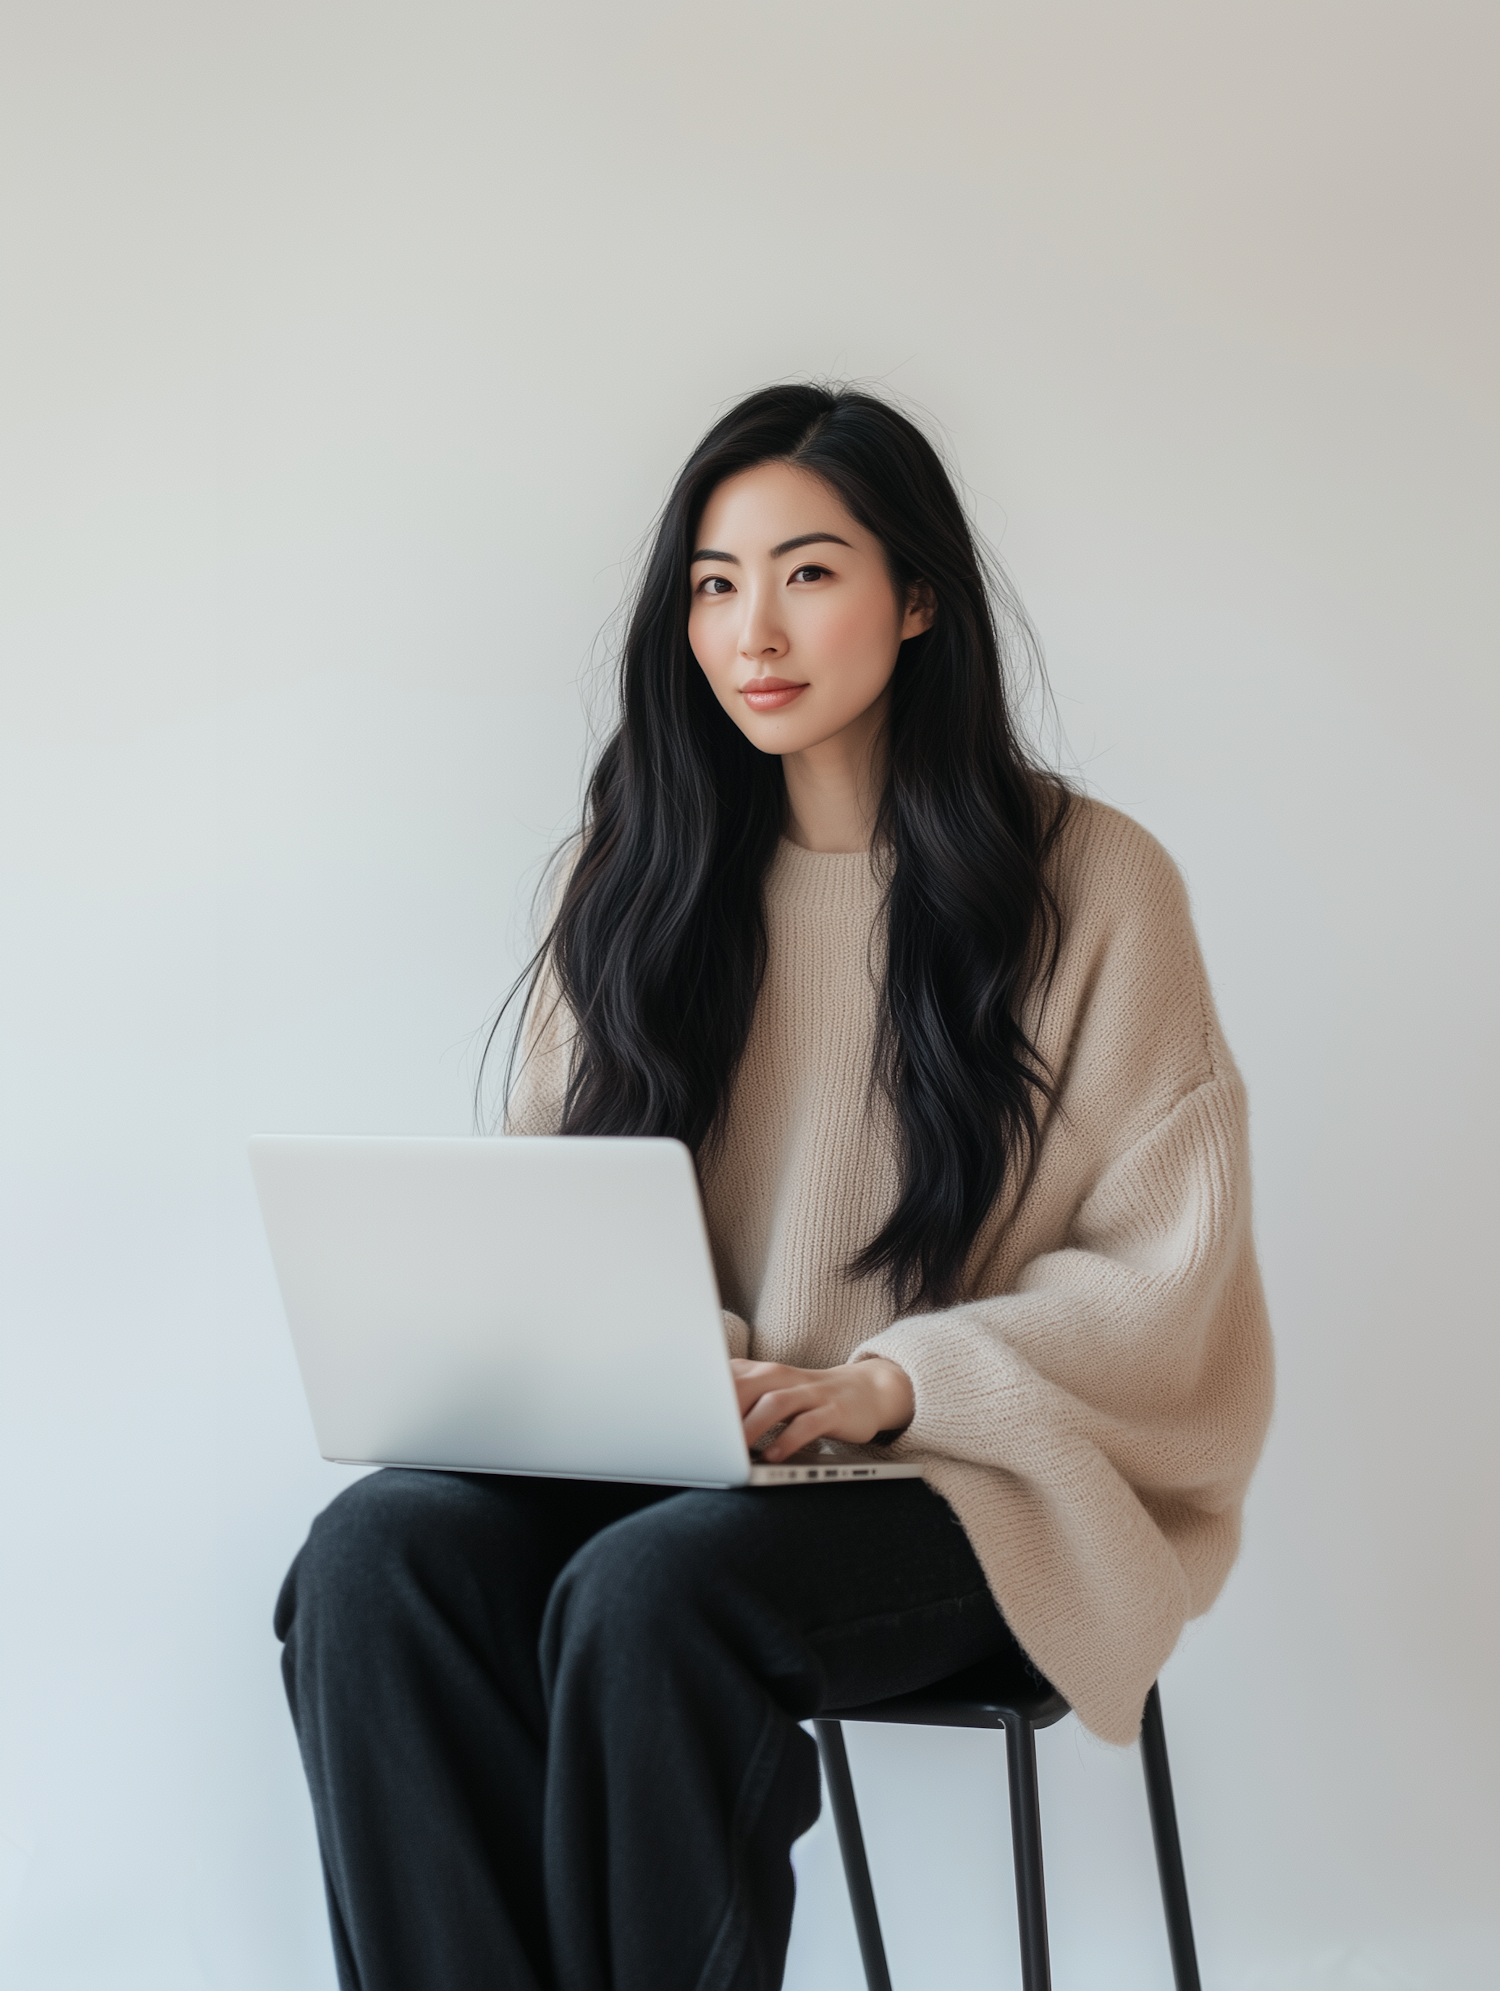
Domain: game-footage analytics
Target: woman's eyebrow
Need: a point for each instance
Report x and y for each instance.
(786, 546)
(807, 539)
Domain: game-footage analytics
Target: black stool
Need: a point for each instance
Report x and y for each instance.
(1005, 1693)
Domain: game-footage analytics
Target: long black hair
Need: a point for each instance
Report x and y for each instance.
(658, 943)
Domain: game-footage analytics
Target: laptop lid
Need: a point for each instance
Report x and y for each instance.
(504, 1304)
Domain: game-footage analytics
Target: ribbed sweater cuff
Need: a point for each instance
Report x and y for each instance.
(936, 1384)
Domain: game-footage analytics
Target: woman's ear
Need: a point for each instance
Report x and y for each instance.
(921, 610)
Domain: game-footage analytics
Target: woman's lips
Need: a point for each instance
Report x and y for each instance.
(769, 694)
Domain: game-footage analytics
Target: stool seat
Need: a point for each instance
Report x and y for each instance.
(992, 1694)
(1005, 1692)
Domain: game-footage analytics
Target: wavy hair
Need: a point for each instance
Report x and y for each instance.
(658, 943)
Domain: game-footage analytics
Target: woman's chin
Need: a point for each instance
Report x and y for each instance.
(796, 732)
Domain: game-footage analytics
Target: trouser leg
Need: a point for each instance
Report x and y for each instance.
(681, 1649)
(410, 1622)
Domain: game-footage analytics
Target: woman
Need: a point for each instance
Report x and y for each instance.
(972, 1153)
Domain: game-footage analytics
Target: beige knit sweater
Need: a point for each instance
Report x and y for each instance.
(1092, 1410)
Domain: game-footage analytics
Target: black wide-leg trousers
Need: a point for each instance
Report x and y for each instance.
(550, 1727)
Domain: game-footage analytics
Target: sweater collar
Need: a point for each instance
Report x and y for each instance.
(825, 881)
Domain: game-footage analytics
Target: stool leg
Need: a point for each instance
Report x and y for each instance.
(1026, 1847)
(1174, 1895)
(835, 1759)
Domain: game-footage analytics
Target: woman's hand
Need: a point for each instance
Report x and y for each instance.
(855, 1402)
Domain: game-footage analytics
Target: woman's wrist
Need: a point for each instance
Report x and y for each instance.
(895, 1399)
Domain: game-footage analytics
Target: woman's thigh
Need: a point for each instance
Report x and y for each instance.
(485, 1547)
(875, 1583)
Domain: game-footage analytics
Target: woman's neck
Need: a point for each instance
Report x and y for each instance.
(833, 789)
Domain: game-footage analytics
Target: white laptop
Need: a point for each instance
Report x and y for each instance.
(511, 1305)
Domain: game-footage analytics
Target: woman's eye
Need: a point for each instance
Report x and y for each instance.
(809, 573)
(715, 584)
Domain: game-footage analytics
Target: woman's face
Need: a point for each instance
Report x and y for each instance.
(794, 618)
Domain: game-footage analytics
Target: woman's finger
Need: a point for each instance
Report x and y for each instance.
(801, 1430)
(776, 1407)
(752, 1380)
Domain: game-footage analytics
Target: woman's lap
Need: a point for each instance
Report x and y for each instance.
(877, 1578)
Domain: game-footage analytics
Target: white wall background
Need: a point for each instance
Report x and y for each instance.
(347, 350)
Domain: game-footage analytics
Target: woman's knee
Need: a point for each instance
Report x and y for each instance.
(653, 1584)
(668, 1612)
(387, 1526)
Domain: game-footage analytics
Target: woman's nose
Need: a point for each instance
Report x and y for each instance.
(761, 634)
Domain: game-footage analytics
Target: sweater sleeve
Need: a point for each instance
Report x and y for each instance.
(1100, 1399)
(540, 1082)
(1113, 1353)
